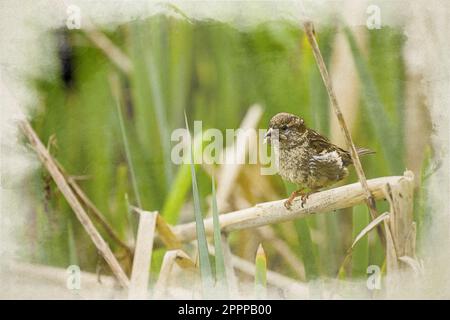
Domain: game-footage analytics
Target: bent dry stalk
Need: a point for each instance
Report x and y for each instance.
(370, 201)
(74, 203)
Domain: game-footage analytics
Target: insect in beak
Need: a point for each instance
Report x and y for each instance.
(268, 136)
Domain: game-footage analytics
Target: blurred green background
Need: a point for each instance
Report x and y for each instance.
(214, 72)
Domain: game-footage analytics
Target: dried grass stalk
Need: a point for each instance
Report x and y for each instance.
(74, 203)
(142, 255)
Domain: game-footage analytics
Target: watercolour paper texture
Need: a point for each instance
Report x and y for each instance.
(42, 253)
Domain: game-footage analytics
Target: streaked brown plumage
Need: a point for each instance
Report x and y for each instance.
(305, 157)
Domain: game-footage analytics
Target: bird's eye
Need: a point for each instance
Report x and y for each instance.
(284, 127)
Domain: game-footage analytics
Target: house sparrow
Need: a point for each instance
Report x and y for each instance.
(305, 157)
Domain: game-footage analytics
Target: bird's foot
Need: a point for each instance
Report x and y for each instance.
(295, 194)
(299, 193)
(288, 204)
(304, 197)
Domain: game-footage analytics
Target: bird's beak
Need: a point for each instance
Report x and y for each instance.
(268, 135)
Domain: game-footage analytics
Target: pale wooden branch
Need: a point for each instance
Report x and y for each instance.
(370, 201)
(74, 203)
(142, 255)
(275, 212)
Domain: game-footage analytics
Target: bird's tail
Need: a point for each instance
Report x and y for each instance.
(364, 151)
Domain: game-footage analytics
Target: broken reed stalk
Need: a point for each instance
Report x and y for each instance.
(74, 203)
(171, 258)
(164, 231)
(401, 228)
(370, 201)
(142, 256)
(275, 212)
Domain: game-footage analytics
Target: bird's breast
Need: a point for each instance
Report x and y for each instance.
(293, 164)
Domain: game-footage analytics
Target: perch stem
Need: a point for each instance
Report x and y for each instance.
(275, 212)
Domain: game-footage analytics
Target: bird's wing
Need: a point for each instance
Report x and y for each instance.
(328, 164)
(318, 142)
(321, 144)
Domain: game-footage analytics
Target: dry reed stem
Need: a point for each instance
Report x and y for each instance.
(114, 53)
(167, 236)
(74, 203)
(96, 213)
(142, 255)
(275, 212)
(171, 258)
(228, 173)
(369, 199)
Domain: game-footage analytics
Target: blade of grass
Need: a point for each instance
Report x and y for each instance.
(115, 88)
(369, 227)
(163, 126)
(221, 278)
(307, 250)
(260, 273)
(141, 121)
(361, 234)
(180, 187)
(205, 265)
(360, 256)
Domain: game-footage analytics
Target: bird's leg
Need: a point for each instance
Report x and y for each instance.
(295, 194)
(306, 195)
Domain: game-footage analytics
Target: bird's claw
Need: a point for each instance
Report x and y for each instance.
(304, 198)
(288, 204)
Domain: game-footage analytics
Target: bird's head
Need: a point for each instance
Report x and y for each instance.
(289, 129)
